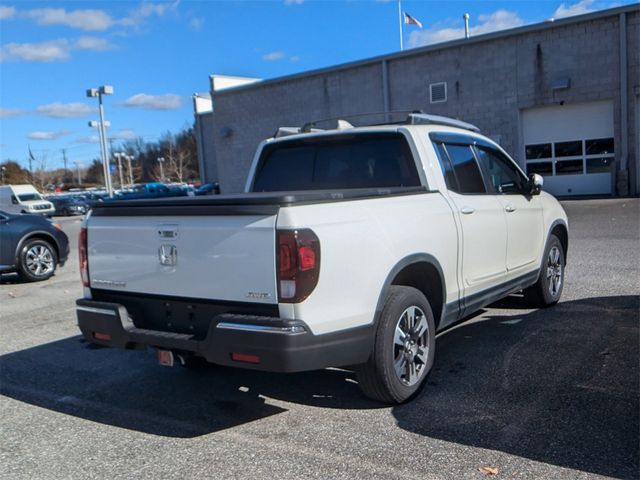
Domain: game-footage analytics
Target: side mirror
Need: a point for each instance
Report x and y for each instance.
(535, 184)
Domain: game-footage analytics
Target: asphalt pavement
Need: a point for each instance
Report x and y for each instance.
(535, 394)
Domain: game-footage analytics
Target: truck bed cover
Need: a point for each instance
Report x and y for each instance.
(241, 203)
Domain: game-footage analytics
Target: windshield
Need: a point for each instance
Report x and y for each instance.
(337, 162)
(27, 197)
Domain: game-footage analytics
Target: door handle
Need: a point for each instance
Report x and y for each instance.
(510, 208)
(467, 210)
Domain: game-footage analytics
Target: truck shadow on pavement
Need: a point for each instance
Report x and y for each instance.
(557, 386)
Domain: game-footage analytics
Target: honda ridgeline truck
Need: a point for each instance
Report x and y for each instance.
(351, 247)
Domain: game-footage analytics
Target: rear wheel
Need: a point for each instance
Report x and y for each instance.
(548, 289)
(37, 260)
(404, 348)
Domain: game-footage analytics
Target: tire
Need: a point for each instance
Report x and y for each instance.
(548, 289)
(37, 260)
(378, 378)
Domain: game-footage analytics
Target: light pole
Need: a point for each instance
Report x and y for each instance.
(160, 162)
(77, 164)
(118, 156)
(3, 168)
(129, 158)
(98, 92)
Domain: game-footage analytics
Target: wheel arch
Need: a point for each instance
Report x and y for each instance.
(38, 234)
(560, 230)
(423, 272)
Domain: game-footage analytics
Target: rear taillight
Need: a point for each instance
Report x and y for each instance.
(298, 258)
(84, 258)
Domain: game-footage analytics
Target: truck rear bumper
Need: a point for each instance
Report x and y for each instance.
(247, 341)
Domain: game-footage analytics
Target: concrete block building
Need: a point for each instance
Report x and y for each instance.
(562, 97)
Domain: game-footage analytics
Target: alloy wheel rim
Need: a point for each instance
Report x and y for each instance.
(554, 271)
(39, 260)
(411, 346)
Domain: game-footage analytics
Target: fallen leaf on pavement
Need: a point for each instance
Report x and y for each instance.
(11, 294)
(488, 470)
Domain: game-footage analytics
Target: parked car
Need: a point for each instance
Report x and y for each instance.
(31, 245)
(208, 189)
(69, 205)
(24, 199)
(151, 190)
(351, 247)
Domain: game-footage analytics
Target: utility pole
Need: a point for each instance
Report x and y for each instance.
(400, 21)
(466, 25)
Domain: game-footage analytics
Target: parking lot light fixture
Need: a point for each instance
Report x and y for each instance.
(99, 92)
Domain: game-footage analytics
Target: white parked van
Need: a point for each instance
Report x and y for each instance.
(24, 199)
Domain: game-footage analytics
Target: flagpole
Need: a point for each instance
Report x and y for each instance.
(400, 23)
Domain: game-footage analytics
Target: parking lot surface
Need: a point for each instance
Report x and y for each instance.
(533, 393)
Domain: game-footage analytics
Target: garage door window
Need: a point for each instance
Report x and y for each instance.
(539, 158)
(572, 157)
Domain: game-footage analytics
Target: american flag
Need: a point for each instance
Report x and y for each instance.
(409, 20)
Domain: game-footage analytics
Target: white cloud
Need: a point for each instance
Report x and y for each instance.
(293, 2)
(146, 10)
(124, 134)
(50, 51)
(196, 23)
(569, 10)
(89, 139)
(294, 58)
(274, 56)
(93, 43)
(65, 110)
(498, 20)
(11, 112)
(90, 19)
(48, 135)
(167, 101)
(7, 12)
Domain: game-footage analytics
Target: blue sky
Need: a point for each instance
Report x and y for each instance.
(156, 54)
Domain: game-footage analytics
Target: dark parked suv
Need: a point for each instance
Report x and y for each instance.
(31, 245)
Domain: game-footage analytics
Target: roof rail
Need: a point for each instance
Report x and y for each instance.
(425, 119)
(287, 131)
(415, 117)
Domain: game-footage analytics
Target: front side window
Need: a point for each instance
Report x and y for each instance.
(503, 175)
(466, 169)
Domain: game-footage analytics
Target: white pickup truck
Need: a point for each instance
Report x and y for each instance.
(351, 247)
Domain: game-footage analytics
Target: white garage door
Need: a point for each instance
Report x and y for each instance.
(571, 146)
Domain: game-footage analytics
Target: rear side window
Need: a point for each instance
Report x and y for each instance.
(447, 169)
(340, 162)
(466, 169)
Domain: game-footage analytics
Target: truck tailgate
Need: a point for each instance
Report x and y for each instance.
(208, 257)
